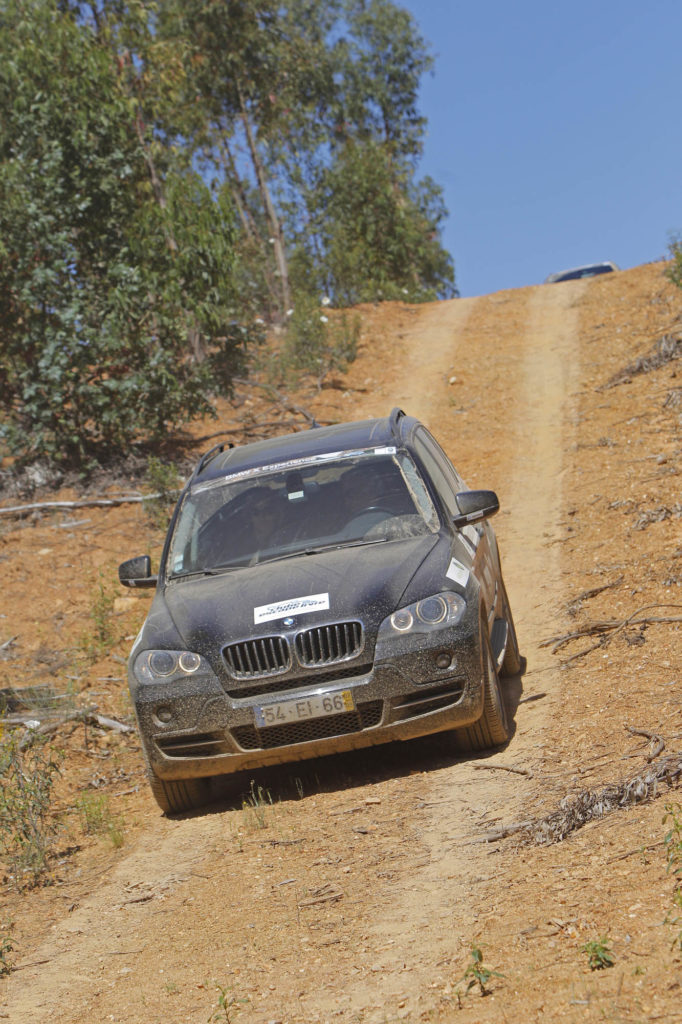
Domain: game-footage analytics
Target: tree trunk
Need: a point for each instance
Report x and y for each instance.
(270, 212)
(251, 231)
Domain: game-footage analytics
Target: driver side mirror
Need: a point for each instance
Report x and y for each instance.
(474, 506)
(137, 572)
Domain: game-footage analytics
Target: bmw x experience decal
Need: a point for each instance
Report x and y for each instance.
(295, 606)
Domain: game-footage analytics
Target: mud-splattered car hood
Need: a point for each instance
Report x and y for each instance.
(366, 582)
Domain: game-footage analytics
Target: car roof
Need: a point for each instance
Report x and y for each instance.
(586, 270)
(222, 460)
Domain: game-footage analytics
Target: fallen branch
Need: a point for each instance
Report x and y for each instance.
(33, 963)
(325, 894)
(664, 350)
(638, 849)
(88, 716)
(501, 833)
(656, 742)
(576, 810)
(501, 768)
(575, 605)
(47, 506)
(608, 629)
(279, 399)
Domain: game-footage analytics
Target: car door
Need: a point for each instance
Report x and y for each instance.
(476, 540)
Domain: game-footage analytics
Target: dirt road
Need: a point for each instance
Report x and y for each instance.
(355, 889)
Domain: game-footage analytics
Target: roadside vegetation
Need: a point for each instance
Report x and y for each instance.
(179, 180)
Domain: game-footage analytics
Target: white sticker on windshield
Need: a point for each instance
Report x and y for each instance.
(458, 573)
(295, 606)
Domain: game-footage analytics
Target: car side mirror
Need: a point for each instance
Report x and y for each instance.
(137, 572)
(474, 506)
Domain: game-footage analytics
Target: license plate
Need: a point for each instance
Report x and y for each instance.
(306, 707)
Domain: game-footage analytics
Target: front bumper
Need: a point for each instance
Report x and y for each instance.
(194, 729)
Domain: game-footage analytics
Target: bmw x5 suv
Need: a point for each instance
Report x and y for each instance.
(319, 592)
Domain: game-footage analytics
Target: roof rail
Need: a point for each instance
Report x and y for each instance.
(394, 420)
(211, 454)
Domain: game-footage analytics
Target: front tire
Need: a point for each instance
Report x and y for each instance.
(175, 796)
(492, 729)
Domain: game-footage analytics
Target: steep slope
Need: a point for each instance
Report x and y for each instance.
(354, 889)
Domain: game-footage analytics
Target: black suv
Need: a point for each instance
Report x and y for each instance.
(319, 592)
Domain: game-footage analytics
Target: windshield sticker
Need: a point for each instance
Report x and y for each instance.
(278, 467)
(295, 606)
(458, 573)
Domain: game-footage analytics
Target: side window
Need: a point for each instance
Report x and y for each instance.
(448, 468)
(445, 480)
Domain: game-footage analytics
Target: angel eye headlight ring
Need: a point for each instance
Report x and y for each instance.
(162, 663)
(432, 610)
(189, 662)
(402, 620)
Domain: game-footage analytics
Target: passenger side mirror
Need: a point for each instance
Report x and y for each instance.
(137, 572)
(474, 506)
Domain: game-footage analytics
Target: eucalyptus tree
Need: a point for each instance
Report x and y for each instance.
(100, 282)
(290, 97)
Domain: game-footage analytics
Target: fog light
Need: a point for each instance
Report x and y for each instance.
(164, 715)
(443, 660)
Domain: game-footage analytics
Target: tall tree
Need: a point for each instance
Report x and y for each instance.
(100, 283)
(289, 90)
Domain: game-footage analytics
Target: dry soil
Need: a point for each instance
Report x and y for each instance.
(356, 887)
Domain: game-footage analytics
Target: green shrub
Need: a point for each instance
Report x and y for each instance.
(97, 818)
(162, 478)
(28, 827)
(673, 846)
(316, 342)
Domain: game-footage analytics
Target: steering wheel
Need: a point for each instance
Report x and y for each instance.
(372, 508)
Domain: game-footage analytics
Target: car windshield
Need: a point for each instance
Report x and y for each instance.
(580, 272)
(301, 506)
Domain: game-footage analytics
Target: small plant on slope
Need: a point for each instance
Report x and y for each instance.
(227, 1002)
(28, 765)
(599, 954)
(95, 643)
(254, 807)
(478, 974)
(673, 846)
(97, 818)
(6, 948)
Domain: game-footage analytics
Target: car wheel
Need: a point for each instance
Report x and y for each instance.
(492, 728)
(511, 665)
(177, 795)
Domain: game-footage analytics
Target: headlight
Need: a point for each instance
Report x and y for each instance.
(162, 666)
(433, 612)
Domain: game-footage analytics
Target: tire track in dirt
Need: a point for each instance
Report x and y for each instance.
(526, 410)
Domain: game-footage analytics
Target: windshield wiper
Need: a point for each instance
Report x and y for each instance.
(218, 570)
(333, 546)
(215, 570)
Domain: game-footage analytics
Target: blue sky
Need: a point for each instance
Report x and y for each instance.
(555, 131)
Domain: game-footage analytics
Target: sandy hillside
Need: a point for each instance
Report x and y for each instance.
(357, 887)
